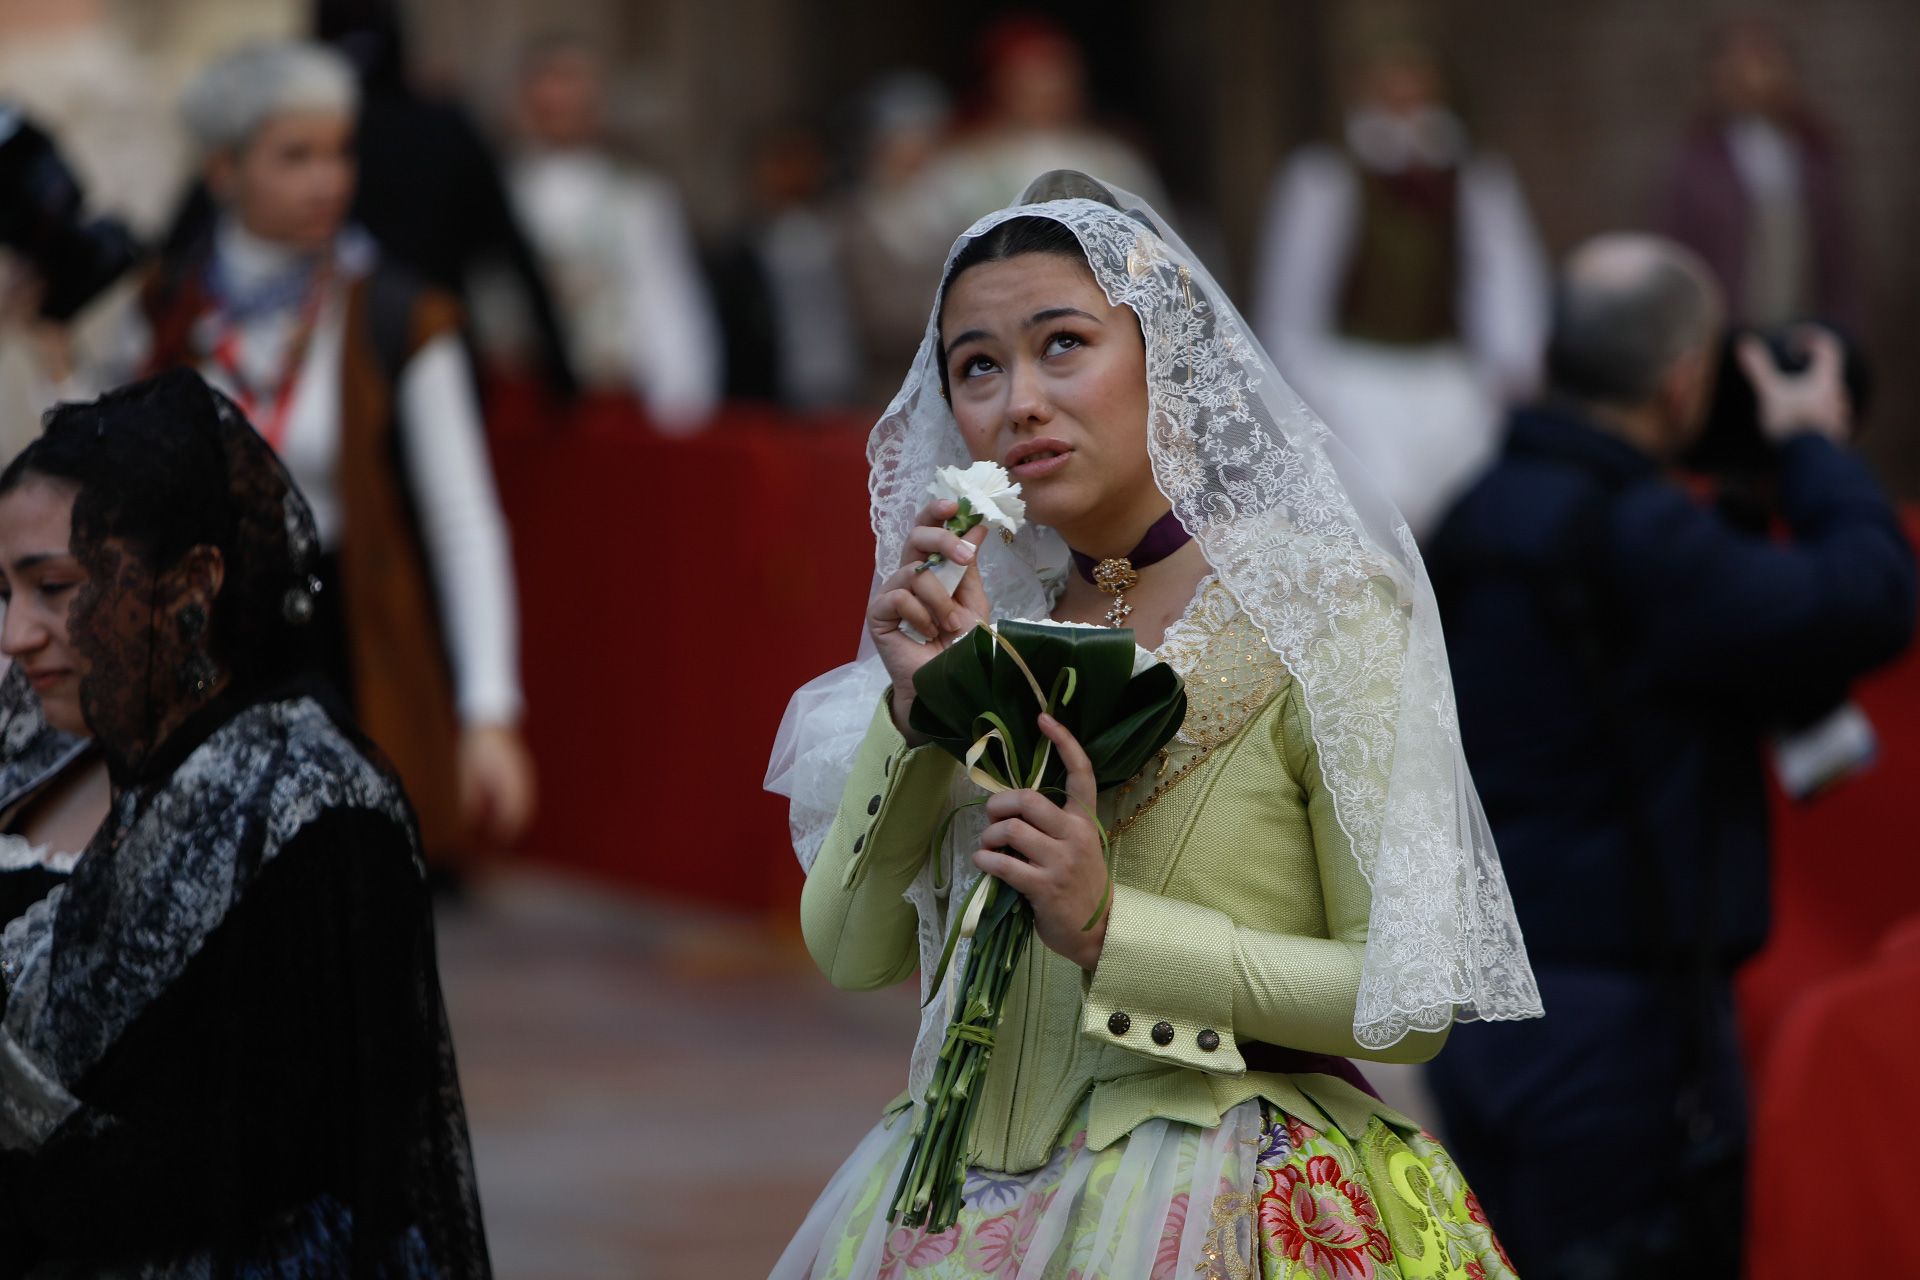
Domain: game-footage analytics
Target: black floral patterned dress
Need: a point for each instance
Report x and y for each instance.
(223, 1050)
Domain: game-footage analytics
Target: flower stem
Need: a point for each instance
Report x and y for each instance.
(932, 1185)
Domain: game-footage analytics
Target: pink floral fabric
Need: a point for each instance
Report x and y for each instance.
(1265, 1196)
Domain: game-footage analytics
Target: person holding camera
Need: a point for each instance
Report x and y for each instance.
(1619, 649)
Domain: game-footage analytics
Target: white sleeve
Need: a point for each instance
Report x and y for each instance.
(1304, 244)
(675, 336)
(1506, 295)
(463, 529)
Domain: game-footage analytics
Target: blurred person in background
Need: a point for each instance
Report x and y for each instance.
(1401, 286)
(897, 232)
(430, 188)
(1619, 650)
(71, 67)
(223, 1049)
(354, 370)
(1757, 188)
(785, 300)
(615, 246)
(1034, 114)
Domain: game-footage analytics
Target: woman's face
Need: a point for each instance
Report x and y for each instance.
(1049, 379)
(292, 181)
(39, 581)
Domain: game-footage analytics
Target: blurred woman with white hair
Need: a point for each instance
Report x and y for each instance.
(353, 371)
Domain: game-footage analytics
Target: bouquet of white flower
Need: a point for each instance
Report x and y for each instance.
(981, 702)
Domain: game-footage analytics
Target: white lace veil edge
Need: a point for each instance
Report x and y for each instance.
(1319, 560)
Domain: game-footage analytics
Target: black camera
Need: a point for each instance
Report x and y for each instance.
(41, 219)
(1732, 444)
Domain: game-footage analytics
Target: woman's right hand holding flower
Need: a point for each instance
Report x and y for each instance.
(913, 598)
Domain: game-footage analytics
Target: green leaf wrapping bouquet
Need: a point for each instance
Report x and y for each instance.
(980, 701)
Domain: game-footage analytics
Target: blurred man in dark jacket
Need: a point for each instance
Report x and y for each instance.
(1618, 652)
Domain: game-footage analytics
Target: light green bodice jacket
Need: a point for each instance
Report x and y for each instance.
(1238, 910)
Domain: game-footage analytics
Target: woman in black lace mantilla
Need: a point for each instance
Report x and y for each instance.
(223, 1050)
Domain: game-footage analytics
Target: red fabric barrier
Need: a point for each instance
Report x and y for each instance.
(673, 593)
(1831, 1013)
(1832, 1171)
(1846, 864)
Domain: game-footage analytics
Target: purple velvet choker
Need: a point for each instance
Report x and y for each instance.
(1166, 536)
(1118, 575)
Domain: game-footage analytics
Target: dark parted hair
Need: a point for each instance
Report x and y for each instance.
(1018, 236)
(1010, 239)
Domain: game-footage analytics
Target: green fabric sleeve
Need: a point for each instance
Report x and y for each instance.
(1190, 967)
(1166, 973)
(1300, 991)
(859, 929)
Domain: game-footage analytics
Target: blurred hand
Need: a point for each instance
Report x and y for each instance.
(496, 784)
(53, 345)
(916, 599)
(20, 292)
(1813, 400)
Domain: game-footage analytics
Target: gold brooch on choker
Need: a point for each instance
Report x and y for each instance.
(1116, 577)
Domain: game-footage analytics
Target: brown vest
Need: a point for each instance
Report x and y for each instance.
(403, 692)
(1404, 271)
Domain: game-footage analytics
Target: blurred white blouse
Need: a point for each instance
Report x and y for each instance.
(622, 267)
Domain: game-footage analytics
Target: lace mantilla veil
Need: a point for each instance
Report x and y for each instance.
(1317, 558)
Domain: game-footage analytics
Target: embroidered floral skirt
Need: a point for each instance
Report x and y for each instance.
(1261, 1196)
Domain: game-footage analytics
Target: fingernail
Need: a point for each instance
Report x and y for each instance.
(964, 552)
(956, 621)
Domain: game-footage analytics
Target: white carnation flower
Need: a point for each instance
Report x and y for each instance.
(987, 496)
(987, 489)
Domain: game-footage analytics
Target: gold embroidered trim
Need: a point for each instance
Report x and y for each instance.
(1225, 1254)
(1230, 672)
(1154, 797)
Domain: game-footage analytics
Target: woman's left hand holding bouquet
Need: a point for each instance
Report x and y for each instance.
(1051, 853)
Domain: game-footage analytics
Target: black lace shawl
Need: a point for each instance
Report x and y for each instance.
(33, 755)
(31, 750)
(223, 1050)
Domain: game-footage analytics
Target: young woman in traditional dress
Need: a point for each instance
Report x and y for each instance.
(1302, 878)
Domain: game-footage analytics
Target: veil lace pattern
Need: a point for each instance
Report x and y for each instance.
(1319, 562)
